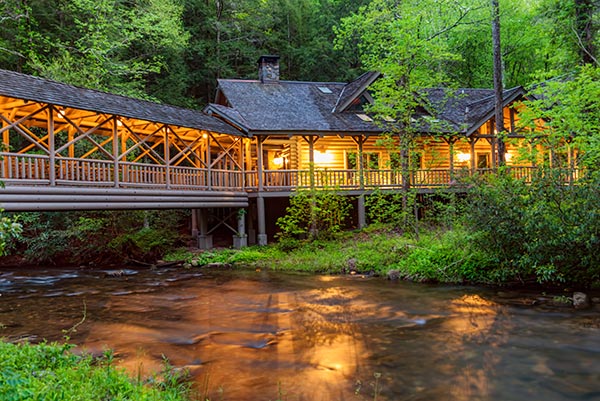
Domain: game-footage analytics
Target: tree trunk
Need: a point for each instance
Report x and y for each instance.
(586, 32)
(498, 87)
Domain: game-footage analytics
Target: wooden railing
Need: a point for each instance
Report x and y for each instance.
(39, 170)
(84, 171)
(25, 168)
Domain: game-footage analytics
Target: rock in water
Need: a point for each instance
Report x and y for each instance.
(393, 275)
(580, 300)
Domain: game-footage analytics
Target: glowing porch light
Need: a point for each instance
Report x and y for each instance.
(463, 157)
(323, 157)
(204, 136)
(61, 113)
(507, 156)
(119, 123)
(278, 161)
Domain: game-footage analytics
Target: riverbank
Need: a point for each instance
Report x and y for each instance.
(435, 256)
(54, 372)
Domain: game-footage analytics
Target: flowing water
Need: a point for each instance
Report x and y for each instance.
(255, 335)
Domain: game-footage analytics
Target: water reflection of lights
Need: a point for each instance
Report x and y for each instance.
(473, 322)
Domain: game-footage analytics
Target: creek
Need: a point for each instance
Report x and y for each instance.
(259, 335)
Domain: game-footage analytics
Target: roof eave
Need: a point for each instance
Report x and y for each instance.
(218, 113)
(340, 107)
(490, 113)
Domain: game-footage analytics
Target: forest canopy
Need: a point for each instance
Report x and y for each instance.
(174, 50)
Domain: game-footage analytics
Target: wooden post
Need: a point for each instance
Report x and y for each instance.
(194, 223)
(361, 162)
(208, 163)
(260, 165)
(167, 157)
(204, 239)
(51, 147)
(311, 160)
(5, 138)
(70, 137)
(450, 142)
(240, 240)
(472, 142)
(5, 146)
(115, 151)
(260, 211)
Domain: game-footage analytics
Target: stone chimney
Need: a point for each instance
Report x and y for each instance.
(268, 69)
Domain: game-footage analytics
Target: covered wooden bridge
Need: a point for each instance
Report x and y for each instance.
(68, 148)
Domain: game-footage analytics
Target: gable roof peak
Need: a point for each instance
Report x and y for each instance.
(354, 89)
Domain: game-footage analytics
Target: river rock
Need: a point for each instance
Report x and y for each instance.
(218, 265)
(351, 266)
(393, 275)
(581, 300)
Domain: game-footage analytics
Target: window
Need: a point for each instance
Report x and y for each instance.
(483, 160)
(415, 161)
(370, 160)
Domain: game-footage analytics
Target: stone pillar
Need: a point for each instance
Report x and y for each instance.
(240, 240)
(205, 241)
(262, 226)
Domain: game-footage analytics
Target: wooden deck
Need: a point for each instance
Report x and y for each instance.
(32, 169)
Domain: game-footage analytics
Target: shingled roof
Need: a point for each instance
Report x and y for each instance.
(290, 106)
(27, 87)
(318, 107)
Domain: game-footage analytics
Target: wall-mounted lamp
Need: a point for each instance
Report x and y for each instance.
(323, 156)
(463, 157)
(278, 160)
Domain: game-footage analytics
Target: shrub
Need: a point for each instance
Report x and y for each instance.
(52, 372)
(314, 214)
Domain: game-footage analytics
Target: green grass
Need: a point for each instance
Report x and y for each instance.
(444, 256)
(52, 372)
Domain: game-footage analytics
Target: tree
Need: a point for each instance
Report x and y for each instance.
(407, 43)
(498, 86)
(569, 108)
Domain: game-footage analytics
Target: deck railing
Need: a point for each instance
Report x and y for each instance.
(25, 168)
(39, 170)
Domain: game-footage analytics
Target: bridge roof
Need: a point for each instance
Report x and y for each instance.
(27, 87)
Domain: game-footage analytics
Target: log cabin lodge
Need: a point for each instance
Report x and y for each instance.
(70, 148)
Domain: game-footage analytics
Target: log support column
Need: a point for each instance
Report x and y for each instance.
(240, 240)
(195, 223)
(205, 241)
(262, 226)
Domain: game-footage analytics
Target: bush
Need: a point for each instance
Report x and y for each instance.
(546, 230)
(52, 372)
(314, 215)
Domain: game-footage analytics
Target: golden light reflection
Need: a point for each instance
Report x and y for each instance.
(472, 323)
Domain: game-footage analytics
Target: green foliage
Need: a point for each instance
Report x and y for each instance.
(10, 230)
(449, 257)
(53, 372)
(569, 108)
(147, 244)
(315, 214)
(545, 230)
(98, 237)
(395, 209)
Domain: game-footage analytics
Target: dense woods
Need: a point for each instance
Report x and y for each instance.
(173, 50)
